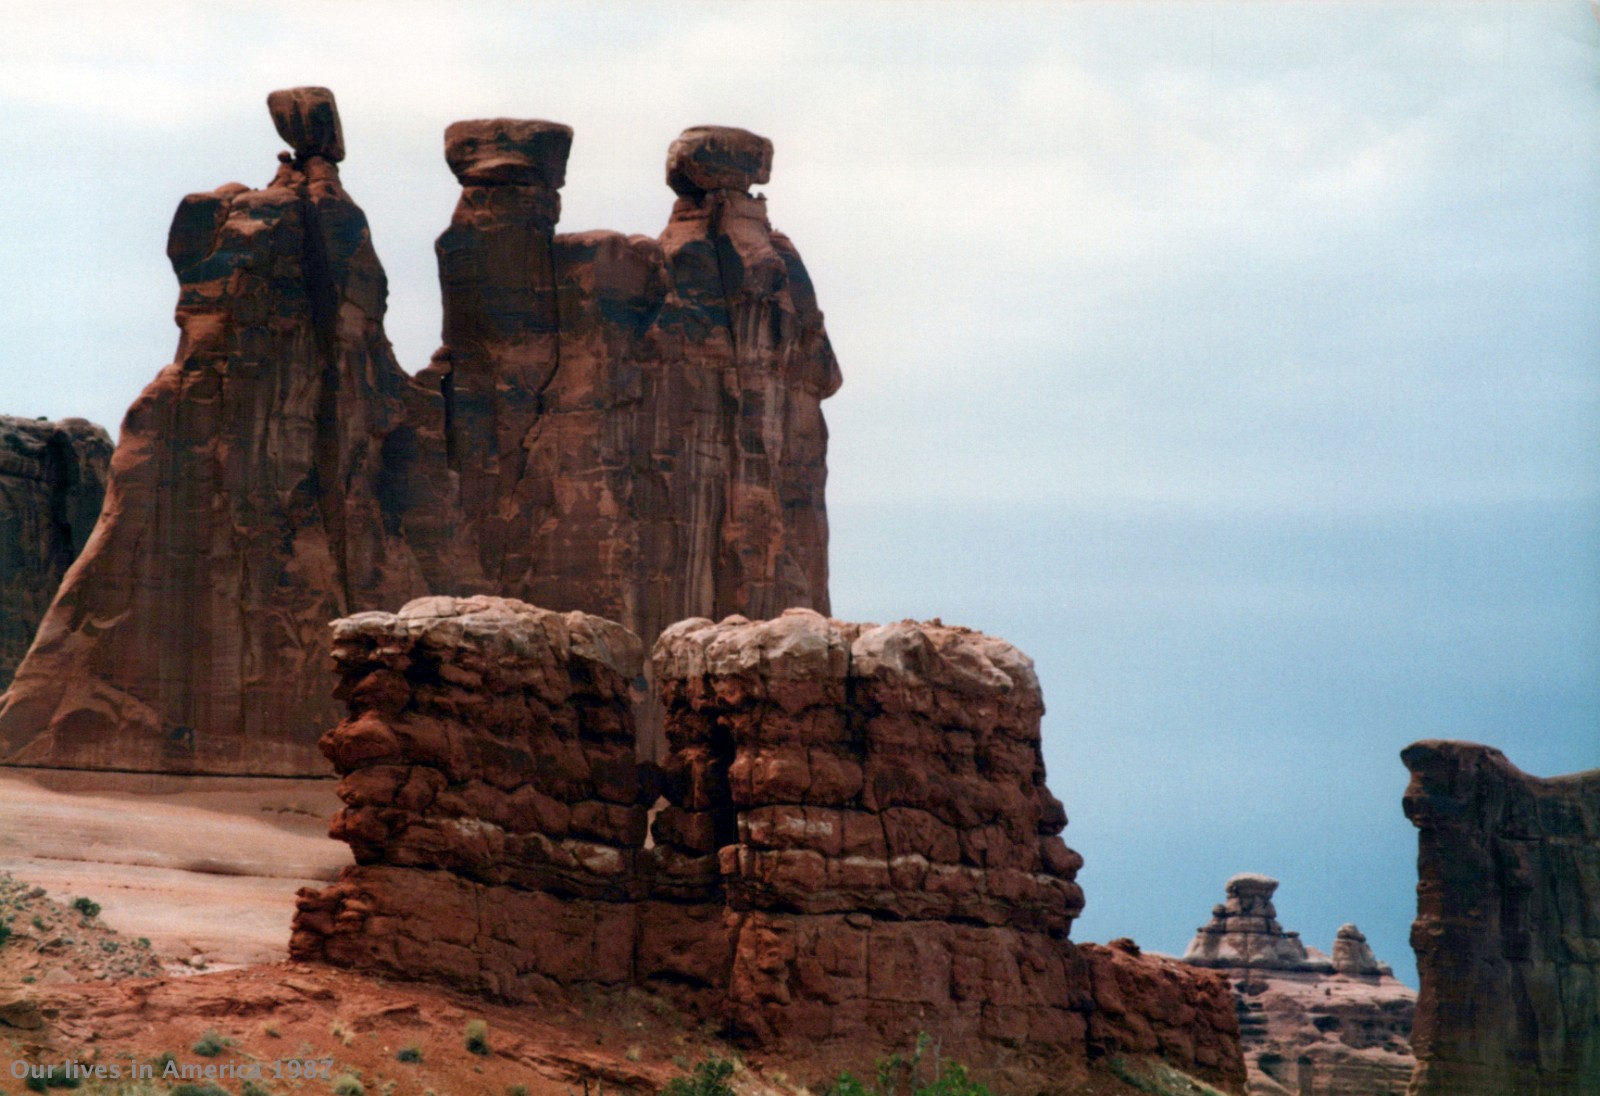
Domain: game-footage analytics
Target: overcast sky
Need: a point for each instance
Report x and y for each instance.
(1241, 363)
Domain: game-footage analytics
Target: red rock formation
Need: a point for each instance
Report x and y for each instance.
(52, 482)
(492, 799)
(1309, 1027)
(871, 895)
(1507, 933)
(265, 484)
(857, 845)
(636, 423)
(618, 425)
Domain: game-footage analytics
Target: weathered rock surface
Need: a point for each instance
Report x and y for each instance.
(857, 843)
(1507, 933)
(52, 483)
(1244, 932)
(636, 423)
(264, 485)
(1309, 1027)
(618, 425)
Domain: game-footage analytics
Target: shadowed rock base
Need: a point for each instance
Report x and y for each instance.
(1507, 933)
(52, 482)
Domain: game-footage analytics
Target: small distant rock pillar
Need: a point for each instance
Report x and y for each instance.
(1244, 932)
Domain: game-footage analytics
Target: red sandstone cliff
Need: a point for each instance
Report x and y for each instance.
(52, 483)
(620, 425)
(637, 423)
(254, 495)
(1507, 933)
(857, 842)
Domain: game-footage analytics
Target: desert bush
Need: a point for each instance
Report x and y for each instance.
(86, 907)
(348, 1085)
(710, 1078)
(409, 1053)
(478, 1037)
(211, 1044)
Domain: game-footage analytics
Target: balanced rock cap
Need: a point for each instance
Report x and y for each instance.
(308, 120)
(717, 158)
(508, 152)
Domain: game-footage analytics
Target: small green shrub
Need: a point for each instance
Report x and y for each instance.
(38, 922)
(250, 1088)
(5, 932)
(710, 1078)
(409, 1053)
(478, 1037)
(516, 1090)
(348, 1085)
(86, 907)
(55, 1079)
(211, 1044)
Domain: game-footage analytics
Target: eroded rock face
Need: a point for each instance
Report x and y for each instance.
(1507, 933)
(1309, 1027)
(618, 425)
(266, 482)
(1244, 932)
(636, 423)
(52, 483)
(896, 852)
(857, 843)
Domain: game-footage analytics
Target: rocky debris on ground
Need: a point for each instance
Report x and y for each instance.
(855, 841)
(1309, 1026)
(52, 483)
(622, 425)
(44, 941)
(1507, 933)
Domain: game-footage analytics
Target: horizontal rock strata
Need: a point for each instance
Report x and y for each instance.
(1309, 1026)
(1507, 933)
(52, 483)
(856, 842)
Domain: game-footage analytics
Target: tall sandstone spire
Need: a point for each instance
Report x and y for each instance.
(618, 425)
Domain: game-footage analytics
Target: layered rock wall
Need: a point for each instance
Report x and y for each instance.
(856, 843)
(492, 800)
(1507, 933)
(1310, 1026)
(618, 425)
(897, 856)
(52, 484)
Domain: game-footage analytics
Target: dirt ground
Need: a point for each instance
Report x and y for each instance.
(205, 868)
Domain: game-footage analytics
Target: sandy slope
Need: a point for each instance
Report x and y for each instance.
(203, 866)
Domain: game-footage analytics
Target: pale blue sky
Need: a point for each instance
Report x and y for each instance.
(1241, 363)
